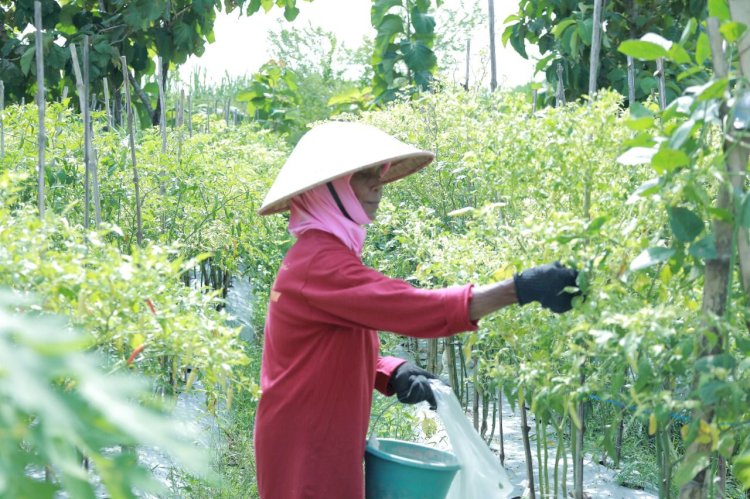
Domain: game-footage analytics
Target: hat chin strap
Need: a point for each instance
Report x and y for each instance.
(336, 198)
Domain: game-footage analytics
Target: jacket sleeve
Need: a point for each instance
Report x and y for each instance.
(354, 295)
(383, 371)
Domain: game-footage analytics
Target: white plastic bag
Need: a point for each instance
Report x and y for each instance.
(481, 476)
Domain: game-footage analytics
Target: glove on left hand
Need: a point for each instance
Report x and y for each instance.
(412, 385)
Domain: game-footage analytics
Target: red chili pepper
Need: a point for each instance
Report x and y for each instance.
(135, 353)
(151, 305)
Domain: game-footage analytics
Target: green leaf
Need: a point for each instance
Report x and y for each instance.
(704, 248)
(417, 56)
(681, 134)
(744, 216)
(647, 188)
(650, 257)
(741, 468)
(518, 40)
(26, 59)
(713, 90)
(424, 24)
(586, 30)
(647, 51)
(693, 463)
(636, 156)
(638, 110)
(685, 224)
(732, 31)
(689, 30)
(389, 27)
(667, 160)
(560, 27)
(596, 224)
(720, 9)
(379, 9)
(702, 48)
(678, 54)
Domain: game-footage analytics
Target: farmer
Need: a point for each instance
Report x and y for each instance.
(320, 354)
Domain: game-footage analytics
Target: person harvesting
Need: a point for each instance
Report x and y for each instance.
(321, 357)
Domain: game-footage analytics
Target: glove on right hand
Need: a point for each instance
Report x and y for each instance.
(412, 385)
(545, 284)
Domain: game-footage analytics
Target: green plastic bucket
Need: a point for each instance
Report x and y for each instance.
(405, 470)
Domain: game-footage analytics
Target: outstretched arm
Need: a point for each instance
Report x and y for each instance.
(492, 297)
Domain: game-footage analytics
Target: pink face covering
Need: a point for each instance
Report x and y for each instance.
(317, 209)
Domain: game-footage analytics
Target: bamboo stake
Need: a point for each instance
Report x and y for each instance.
(162, 104)
(500, 426)
(468, 61)
(631, 81)
(493, 62)
(91, 161)
(42, 136)
(2, 119)
(596, 43)
(527, 449)
(182, 108)
(190, 115)
(84, 100)
(662, 83)
(129, 111)
(578, 463)
(560, 87)
(110, 122)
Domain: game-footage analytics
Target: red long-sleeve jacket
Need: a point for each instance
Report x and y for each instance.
(321, 363)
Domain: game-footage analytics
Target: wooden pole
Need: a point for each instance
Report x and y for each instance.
(596, 44)
(468, 63)
(84, 100)
(662, 83)
(91, 161)
(493, 61)
(500, 429)
(129, 111)
(631, 81)
(578, 457)
(560, 87)
(2, 119)
(41, 136)
(534, 97)
(110, 122)
(162, 104)
(527, 450)
(190, 115)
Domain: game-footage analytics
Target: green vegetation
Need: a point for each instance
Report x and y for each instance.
(649, 373)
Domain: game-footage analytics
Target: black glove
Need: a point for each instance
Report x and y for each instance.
(412, 385)
(545, 284)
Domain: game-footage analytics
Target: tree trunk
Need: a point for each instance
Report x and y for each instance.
(715, 291)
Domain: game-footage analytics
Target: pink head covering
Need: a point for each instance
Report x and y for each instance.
(317, 209)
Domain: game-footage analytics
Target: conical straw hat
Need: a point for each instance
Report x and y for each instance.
(335, 149)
